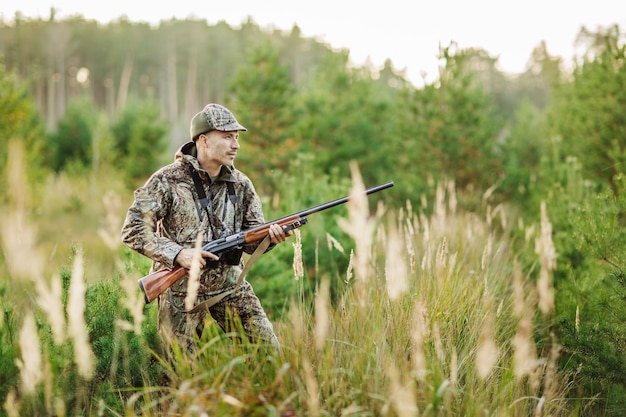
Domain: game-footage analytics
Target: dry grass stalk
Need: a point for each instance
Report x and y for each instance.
(396, 271)
(427, 258)
(402, 396)
(110, 233)
(525, 354)
(297, 323)
(193, 282)
(488, 353)
(49, 299)
(350, 269)
(333, 243)
(134, 303)
(358, 226)
(454, 365)
(322, 314)
(19, 241)
(499, 210)
(499, 309)
(418, 337)
(31, 363)
(23, 257)
(487, 194)
(311, 388)
(525, 359)
(441, 262)
(409, 231)
(551, 381)
(230, 400)
(298, 262)
(12, 405)
(544, 247)
(486, 253)
(425, 228)
(76, 319)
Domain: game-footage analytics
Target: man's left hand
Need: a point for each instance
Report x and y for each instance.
(277, 234)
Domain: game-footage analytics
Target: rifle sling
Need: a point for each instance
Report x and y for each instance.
(204, 201)
(205, 305)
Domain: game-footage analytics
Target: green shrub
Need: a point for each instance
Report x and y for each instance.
(9, 373)
(72, 142)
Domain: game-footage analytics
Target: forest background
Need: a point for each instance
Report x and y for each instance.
(92, 110)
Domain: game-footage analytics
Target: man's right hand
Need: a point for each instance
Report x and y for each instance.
(185, 257)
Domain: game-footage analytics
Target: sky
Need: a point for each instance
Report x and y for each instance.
(408, 32)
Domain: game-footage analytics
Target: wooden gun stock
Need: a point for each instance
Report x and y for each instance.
(152, 285)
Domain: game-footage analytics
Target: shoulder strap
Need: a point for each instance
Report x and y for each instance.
(231, 192)
(197, 182)
(204, 201)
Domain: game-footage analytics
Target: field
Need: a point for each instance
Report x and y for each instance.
(436, 315)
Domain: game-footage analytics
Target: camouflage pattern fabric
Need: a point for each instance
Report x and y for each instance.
(166, 216)
(243, 304)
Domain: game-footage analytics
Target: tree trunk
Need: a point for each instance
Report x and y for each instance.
(122, 93)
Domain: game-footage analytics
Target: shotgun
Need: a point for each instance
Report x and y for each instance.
(154, 284)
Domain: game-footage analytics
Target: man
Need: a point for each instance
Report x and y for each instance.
(202, 192)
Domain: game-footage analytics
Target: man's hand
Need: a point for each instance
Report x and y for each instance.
(277, 234)
(185, 257)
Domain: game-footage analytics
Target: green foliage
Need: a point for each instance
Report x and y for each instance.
(338, 113)
(588, 113)
(273, 275)
(448, 130)
(139, 140)
(19, 121)
(591, 297)
(588, 236)
(522, 152)
(578, 176)
(342, 117)
(124, 360)
(72, 143)
(9, 372)
(599, 225)
(263, 95)
(590, 320)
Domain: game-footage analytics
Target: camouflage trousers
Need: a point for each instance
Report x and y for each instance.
(185, 328)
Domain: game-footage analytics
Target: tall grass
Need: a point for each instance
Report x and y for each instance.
(438, 318)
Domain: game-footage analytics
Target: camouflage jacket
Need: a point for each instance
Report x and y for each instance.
(166, 216)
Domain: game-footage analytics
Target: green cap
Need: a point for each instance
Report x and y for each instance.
(213, 117)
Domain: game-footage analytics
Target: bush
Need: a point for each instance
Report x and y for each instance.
(125, 360)
(72, 143)
(139, 141)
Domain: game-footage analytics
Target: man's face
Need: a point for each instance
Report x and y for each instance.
(220, 148)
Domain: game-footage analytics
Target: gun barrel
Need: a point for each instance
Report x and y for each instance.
(344, 199)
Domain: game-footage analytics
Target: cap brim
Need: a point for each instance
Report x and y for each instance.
(232, 127)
